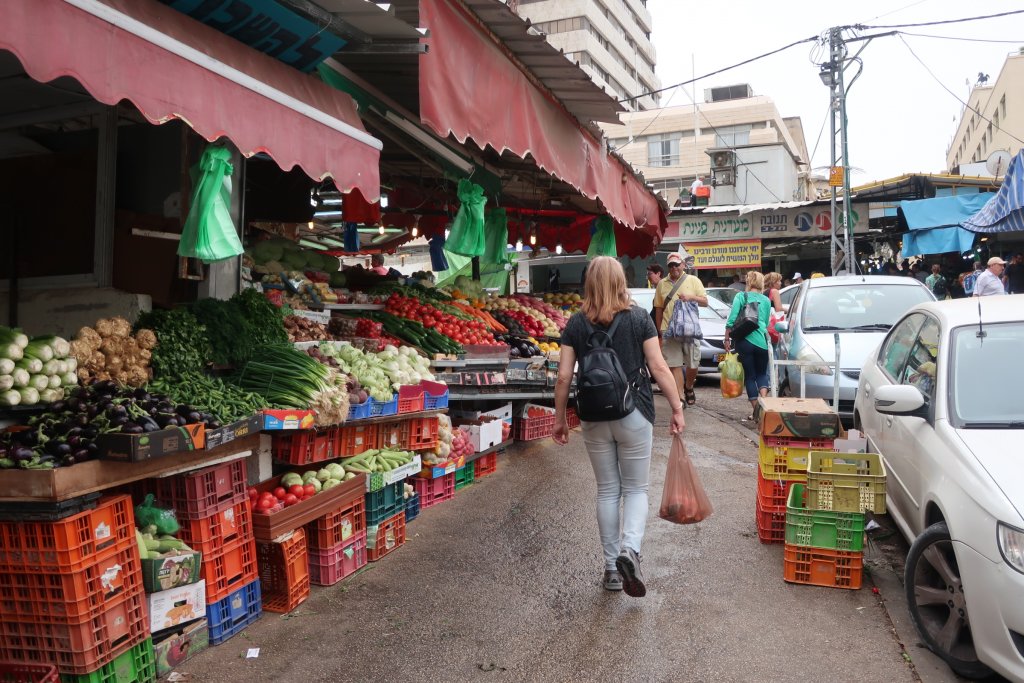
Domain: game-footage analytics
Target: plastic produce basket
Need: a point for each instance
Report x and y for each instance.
(393, 435)
(232, 522)
(384, 538)
(339, 526)
(328, 567)
(387, 502)
(771, 523)
(200, 493)
(28, 673)
(571, 418)
(435, 402)
(304, 446)
(284, 572)
(411, 404)
(423, 432)
(232, 567)
(39, 511)
(138, 665)
(822, 528)
(820, 567)
(360, 411)
(773, 493)
(787, 458)
(846, 482)
(378, 408)
(229, 616)
(412, 507)
(434, 491)
(533, 428)
(464, 476)
(355, 439)
(486, 464)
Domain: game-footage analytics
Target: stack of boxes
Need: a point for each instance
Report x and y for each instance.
(790, 429)
(71, 594)
(825, 518)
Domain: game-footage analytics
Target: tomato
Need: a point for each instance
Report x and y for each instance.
(296, 490)
(280, 493)
(252, 492)
(264, 504)
(309, 489)
(290, 499)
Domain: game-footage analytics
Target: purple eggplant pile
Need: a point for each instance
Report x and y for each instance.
(68, 431)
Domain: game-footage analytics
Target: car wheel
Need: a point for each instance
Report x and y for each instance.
(938, 603)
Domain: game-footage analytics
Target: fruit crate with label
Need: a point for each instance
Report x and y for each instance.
(338, 526)
(384, 538)
(328, 567)
(230, 616)
(284, 572)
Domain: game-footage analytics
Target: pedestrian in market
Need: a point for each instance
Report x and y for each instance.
(772, 285)
(654, 274)
(737, 284)
(619, 450)
(797, 278)
(936, 282)
(682, 355)
(971, 279)
(753, 348)
(990, 283)
(1015, 275)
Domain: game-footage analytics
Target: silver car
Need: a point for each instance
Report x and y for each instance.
(861, 309)
(712, 324)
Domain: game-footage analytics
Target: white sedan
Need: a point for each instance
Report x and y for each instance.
(942, 401)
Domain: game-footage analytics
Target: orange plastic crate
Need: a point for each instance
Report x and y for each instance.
(410, 405)
(199, 494)
(74, 595)
(305, 446)
(353, 439)
(423, 432)
(28, 673)
(339, 526)
(773, 493)
(77, 647)
(232, 522)
(69, 544)
(771, 523)
(533, 428)
(232, 567)
(821, 567)
(486, 464)
(385, 537)
(393, 435)
(284, 572)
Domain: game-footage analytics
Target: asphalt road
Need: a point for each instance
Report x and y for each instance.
(502, 584)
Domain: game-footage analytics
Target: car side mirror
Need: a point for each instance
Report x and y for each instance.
(782, 327)
(900, 399)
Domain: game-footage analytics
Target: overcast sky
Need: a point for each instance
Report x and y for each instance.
(900, 118)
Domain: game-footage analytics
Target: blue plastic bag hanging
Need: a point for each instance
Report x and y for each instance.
(351, 237)
(209, 233)
(438, 261)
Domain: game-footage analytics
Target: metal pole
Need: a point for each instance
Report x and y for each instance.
(835, 66)
(847, 204)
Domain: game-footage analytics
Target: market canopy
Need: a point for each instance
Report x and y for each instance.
(934, 224)
(1004, 212)
(173, 67)
(470, 88)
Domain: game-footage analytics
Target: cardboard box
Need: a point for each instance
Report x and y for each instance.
(435, 471)
(235, 430)
(503, 412)
(179, 645)
(138, 447)
(165, 573)
(807, 418)
(525, 410)
(177, 606)
(854, 442)
(484, 431)
(274, 420)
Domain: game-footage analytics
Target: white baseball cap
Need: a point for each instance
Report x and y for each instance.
(797, 276)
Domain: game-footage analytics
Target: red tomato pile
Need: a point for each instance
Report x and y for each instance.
(279, 498)
(369, 329)
(462, 331)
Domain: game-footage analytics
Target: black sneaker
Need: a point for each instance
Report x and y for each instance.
(628, 564)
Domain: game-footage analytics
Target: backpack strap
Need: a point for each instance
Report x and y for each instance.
(675, 288)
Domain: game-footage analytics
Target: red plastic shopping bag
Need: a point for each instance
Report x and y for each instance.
(684, 500)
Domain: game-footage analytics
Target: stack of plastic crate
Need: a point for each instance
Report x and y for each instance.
(220, 527)
(825, 519)
(336, 542)
(284, 572)
(71, 592)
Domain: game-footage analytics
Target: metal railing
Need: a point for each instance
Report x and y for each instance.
(802, 365)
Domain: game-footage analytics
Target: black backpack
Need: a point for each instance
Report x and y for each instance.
(603, 390)
(939, 288)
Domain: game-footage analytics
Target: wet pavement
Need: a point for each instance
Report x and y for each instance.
(502, 583)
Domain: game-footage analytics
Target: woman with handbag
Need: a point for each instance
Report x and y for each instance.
(747, 329)
(619, 448)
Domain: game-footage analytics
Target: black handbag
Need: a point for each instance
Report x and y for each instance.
(747, 321)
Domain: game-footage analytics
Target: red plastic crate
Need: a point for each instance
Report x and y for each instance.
(70, 596)
(28, 673)
(821, 567)
(284, 572)
(304, 446)
(353, 439)
(388, 536)
(485, 464)
(393, 435)
(434, 491)
(413, 404)
(79, 647)
(232, 567)
(233, 521)
(571, 418)
(69, 544)
(338, 527)
(423, 432)
(773, 493)
(771, 523)
(200, 493)
(533, 428)
(328, 567)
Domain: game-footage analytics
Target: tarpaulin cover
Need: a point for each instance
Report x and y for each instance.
(203, 78)
(1005, 211)
(934, 223)
(471, 89)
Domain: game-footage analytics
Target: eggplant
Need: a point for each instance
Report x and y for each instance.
(68, 460)
(132, 428)
(194, 417)
(148, 424)
(213, 424)
(89, 432)
(119, 421)
(142, 395)
(92, 448)
(22, 454)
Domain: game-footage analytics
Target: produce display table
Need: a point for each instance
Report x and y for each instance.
(63, 483)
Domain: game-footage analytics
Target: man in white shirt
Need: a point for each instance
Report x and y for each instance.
(990, 282)
(699, 182)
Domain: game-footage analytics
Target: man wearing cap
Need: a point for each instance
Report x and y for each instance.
(679, 353)
(797, 278)
(991, 281)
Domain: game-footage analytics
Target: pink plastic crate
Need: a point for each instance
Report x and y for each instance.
(434, 491)
(328, 567)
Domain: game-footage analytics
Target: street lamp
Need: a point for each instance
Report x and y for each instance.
(827, 75)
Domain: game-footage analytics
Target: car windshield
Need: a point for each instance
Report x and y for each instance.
(723, 294)
(715, 310)
(869, 307)
(987, 377)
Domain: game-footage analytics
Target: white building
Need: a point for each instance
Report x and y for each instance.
(996, 112)
(609, 39)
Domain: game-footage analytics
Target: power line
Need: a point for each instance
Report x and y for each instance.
(971, 40)
(715, 73)
(958, 99)
(890, 12)
(937, 23)
(821, 130)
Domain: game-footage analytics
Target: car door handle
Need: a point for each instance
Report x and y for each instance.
(888, 421)
(867, 389)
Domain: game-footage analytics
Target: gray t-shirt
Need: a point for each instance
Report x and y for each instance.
(635, 328)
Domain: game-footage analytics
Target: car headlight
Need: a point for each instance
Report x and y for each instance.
(809, 355)
(1011, 545)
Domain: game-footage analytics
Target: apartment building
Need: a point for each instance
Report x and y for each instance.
(734, 140)
(995, 115)
(609, 39)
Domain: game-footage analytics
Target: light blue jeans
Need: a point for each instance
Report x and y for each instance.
(620, 453)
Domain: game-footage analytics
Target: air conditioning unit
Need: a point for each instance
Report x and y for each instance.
(725, 158)
(725, 177)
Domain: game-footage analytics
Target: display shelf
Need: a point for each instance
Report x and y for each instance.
(502, 395)
(469, 362)
(492, 449)
(354, 307)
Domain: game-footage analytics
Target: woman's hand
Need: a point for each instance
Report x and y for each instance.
(678, 422)
(561, 433)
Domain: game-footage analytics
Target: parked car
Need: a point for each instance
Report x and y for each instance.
(786, 295)
(712, 323)
(940, 400)
(723, 294)
(861, 309)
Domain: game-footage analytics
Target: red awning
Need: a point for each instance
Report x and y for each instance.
(471, 89)
(173, 67)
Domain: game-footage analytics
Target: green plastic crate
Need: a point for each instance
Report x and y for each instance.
(464, 476)
(137, 665)
(821, 528)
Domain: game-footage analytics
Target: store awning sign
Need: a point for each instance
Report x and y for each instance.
(807, 221)
(710, 227)
(730, 254)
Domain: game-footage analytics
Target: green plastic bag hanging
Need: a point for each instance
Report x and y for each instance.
(209, 233)
(602, 242)
(467, 231)
(495, 238)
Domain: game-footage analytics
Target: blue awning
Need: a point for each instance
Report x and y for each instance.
(1005, 211)
(934, 224)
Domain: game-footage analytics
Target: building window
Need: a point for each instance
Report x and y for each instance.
(662, 150)
(1002, 106)
(732, 136)
(562, 25)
